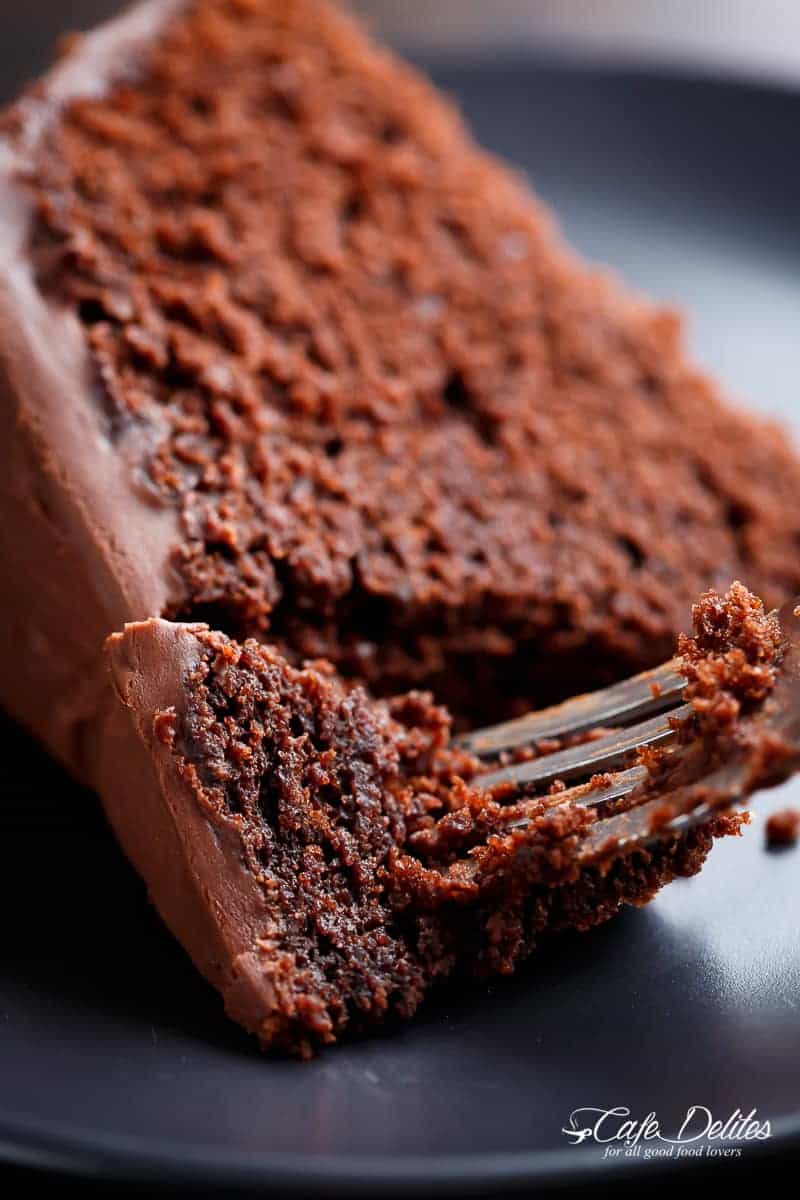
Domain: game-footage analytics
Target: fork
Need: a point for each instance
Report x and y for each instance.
(647, 710)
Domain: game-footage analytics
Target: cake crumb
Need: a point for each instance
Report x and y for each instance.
(164, 726)
(783, 827)
(731, 662)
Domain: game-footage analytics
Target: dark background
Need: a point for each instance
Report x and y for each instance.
(28, 29)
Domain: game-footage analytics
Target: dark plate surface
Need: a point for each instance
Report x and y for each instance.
(116, 1058)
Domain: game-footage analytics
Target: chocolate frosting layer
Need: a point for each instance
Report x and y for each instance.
(68, 497)
(193, 868)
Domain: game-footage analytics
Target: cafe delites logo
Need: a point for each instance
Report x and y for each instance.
(699, 1134)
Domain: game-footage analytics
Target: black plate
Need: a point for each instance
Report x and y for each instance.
(116, 1058)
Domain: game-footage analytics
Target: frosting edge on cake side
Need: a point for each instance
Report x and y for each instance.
(67, 498)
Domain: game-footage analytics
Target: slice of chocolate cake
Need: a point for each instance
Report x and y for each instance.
(317, 853)
(283, 352)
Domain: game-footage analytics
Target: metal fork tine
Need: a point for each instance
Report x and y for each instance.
(631, 700)
(668, 808)
(724, 787)
(693, 805)
(588, 758)
(623, 783)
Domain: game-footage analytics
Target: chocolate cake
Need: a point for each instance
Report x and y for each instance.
(283, 353)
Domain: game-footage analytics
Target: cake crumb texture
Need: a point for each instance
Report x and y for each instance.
(403, 428)
(731, 662)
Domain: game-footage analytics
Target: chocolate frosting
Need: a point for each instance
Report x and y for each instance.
(67, 495)
(194, 869)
